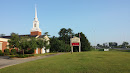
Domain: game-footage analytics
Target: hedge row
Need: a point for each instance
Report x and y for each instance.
(21, 56)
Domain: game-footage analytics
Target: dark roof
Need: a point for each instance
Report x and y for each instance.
(41, 36)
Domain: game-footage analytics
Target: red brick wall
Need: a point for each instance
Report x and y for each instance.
(34, 51)
(36, 33)
(38, 51)
(4, 46)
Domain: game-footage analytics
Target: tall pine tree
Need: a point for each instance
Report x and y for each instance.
(85, 44)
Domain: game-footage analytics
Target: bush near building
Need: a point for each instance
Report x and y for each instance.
(13, 52)
(1, 54)
(6, 52)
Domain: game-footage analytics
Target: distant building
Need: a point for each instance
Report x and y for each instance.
(35, 32)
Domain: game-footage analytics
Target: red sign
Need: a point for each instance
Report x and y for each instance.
(75, 44)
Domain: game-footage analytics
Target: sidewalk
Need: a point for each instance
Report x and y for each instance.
(5, 62)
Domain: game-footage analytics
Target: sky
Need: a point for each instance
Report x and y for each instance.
(100, 20)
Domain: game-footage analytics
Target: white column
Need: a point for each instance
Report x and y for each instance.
(0, 45)
(79, 48)
(71, 48)
(36, 50)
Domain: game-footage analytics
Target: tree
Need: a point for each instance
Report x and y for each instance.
(70, 32)
(124, 44)
(113, 44)
(13, 33)
(32, 43)
(105, 45)
(65, 34)
(98, 45)
(14, 41)
(57, 45)
(85, 44)
(46, 45)
(54, 44)
(40, 44)
(46, 33)
(24, 44)
(62, 32)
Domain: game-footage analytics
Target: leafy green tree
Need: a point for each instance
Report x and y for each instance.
(57, 45)
(14, 41)
(46, 33)
(1, 53)
(65, 34)
(67, 48)
(46, 45)
(24, 44)
(54, 44)
(6, 52)
(99, 45)
(32, 43)
(13, 51)
(70, 32)
(124, 44)
(40, 44)
(113, 44)
(85, 44)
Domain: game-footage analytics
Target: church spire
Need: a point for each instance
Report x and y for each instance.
(35, 11)
(36, 19)
(36, 30)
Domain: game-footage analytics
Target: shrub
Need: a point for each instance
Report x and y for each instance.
(20, 56)
(101, 49)
(31, 51)
(13, 51)
(67, 48)
(6, 51)
(1, 54)
(12, 56)
(24, 56)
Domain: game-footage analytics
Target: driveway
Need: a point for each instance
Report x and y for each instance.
(5, 61)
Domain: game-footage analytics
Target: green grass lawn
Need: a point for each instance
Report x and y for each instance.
(44, 54)
(84, 62)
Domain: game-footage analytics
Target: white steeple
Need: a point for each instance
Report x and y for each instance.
(35, 22)
(36, 19)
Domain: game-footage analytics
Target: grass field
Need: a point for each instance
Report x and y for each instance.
(84, 62)
(44, 54)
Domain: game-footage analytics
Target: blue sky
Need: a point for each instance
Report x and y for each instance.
(100, 20)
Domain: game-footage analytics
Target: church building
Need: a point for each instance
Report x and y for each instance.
(35, 32)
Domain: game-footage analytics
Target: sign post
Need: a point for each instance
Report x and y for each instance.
(75, 41)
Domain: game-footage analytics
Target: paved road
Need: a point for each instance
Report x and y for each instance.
(5, 61)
